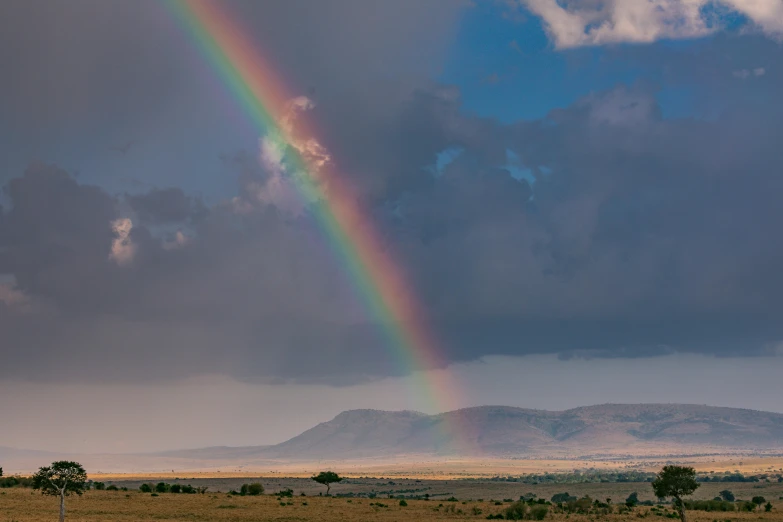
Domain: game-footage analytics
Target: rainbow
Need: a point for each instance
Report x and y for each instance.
(377, 279)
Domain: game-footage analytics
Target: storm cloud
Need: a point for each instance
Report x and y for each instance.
(605, 229)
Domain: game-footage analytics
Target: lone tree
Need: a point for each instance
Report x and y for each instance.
(327, 478)
(675, 482)
(727, 495)
(61, 478)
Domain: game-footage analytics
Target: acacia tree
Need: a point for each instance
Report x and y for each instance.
(675, 482)
(61, 479)
(326, 478)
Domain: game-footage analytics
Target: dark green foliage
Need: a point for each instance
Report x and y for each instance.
(582, 505)
(727, 495)
(190, 490)
(175, 488)
(327, 478)
(100, 486)
(403, 503)
(16, 481)
(112, 487)
(559, 498)
(768, 507)
(710, 505)
(161, 487)
(62, 478)
(676, 482)
(256, 488)
(729, 477)
(286, 493)
(758, 500)
(578, 477)
(632, 500)
(145, 488)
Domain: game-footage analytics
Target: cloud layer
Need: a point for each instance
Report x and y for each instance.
(605, 229)
(575, 23)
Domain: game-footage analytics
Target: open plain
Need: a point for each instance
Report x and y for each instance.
(475, 500)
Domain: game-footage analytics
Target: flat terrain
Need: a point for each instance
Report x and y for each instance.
(451, 468)
(22, 505)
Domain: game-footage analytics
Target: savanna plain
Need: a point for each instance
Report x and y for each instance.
(389, 497)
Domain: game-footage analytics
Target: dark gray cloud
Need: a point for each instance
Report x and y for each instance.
(631, 235)
(162, 206)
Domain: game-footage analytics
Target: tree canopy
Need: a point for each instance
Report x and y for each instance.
(675, 482)
(62, 478)
(327, 478)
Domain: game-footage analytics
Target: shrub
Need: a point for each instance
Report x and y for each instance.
(632, 500)
(758, 500)
(517, 511)
(403, 503)
(256, 489)
(175, 488)
(559, 498)
(538, 512)
(710, 505)
(161, 487)
(768, 507)
(100, 486)
(727, 495)
(188, 489)
(112, 487)
(285, 493)
(16, 481)
(145, 488)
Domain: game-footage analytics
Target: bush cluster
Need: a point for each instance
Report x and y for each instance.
(16, 481)
(254, 489)
(163, 487)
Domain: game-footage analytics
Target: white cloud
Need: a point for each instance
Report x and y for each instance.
(745, 73)
(766, 14)
(122, 249)
(576, 23)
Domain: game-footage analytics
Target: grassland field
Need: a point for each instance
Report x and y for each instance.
(475, 500)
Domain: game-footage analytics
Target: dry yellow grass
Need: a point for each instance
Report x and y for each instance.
(23, 505)
(461, 468)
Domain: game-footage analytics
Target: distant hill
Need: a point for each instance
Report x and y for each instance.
(507, 431)
(605, 431)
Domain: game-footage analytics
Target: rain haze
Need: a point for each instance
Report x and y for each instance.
(572, 203)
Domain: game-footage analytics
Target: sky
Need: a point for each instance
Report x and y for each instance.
(582, 197)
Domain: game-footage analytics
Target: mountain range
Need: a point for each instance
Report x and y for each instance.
(604, 431)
